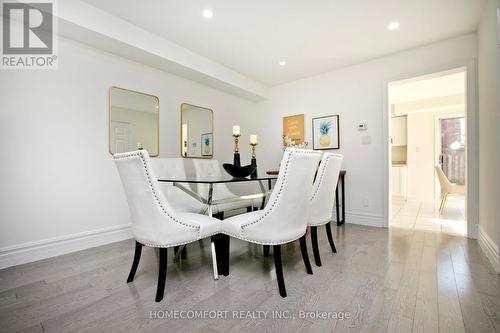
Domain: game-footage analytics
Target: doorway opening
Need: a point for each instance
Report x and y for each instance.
(428, 152)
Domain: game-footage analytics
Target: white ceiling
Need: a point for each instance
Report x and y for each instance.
(314, 36)
(437, 85)
(435, 92)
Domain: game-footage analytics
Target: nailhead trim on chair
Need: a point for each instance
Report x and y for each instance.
(264, 243)
(318, 224)
(155, 195)
(176, 244)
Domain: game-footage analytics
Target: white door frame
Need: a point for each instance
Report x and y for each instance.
(472, 141)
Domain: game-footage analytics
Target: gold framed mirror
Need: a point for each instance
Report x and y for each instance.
(197, 131)
(134, 121)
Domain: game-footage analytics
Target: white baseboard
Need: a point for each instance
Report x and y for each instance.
(370, 220)
(489, 248)
(29, 252)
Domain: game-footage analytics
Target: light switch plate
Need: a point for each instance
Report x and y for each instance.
(362, 126)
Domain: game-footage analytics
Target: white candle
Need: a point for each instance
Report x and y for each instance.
(253, 139)
(236, 130)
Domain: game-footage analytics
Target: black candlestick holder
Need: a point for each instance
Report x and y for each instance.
(254, 161)
(236, 159)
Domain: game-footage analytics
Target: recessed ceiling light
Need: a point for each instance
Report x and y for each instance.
(393, 25)
(282, 63)
(208, 14)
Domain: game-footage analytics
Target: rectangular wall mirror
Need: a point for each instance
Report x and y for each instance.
(133, 121)
(197, 131)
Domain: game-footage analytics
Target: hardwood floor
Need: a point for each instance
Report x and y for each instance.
(397, 280)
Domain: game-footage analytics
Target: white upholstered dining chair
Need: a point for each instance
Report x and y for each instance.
(284, 218)
(174, 167)
(154, 222)
(323, 199)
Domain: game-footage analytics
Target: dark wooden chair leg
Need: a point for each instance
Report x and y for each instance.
(176, 250)
(135, 264)
(267, 249)
(330, 237)
(222, 248)
(314, 241)
(162, 274)
(184, 252)
(305, 255)
(279, 269)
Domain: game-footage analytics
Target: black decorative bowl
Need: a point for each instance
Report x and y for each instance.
(239, 171)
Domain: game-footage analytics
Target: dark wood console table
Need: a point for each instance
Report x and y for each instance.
(342, 185)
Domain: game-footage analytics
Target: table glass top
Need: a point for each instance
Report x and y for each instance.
(214, 180)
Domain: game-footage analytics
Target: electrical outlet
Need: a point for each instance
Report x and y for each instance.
(366, 203)
(366, 140)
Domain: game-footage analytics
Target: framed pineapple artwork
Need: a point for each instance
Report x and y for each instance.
(326, 132)
(206, 144)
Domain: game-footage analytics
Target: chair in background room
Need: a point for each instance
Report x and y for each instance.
(447, 188)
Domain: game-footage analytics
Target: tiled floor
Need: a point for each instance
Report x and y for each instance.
(425, 216)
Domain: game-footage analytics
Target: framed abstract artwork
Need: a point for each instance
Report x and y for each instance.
(326, 132)
(206, 144)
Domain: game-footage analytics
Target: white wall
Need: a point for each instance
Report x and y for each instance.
(489, 135)
(57, 177)
(357, 94)
(420, 156)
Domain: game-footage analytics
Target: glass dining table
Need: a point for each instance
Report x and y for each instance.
(180, 183)
(211, 181)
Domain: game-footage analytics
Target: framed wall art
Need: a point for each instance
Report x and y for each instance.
(206, 144)
(326, 133)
